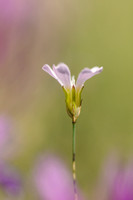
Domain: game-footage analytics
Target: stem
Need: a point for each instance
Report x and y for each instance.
(74, 161)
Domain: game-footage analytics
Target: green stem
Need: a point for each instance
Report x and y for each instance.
(74, 161)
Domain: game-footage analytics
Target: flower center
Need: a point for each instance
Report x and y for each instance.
(73, 82)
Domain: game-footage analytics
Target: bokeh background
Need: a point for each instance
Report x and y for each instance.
(81, 34)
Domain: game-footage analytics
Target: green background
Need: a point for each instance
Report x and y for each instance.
(80, 34)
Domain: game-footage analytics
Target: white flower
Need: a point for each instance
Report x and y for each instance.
(62, 74)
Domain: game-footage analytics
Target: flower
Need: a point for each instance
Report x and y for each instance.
(123, 184)
(72, 90)
(52, 179)
(116, 181)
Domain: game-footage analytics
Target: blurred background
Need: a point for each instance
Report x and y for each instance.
(81, 34)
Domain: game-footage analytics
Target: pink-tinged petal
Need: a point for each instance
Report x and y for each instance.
(63, 73)
(48, 69)
(85, 74)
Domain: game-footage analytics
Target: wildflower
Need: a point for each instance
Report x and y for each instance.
(123, 184)
(116, 182)
(72, 90)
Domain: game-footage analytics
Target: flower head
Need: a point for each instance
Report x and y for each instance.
(72, 90)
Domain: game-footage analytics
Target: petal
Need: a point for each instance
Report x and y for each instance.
(73, 81)
(63, 73)
(48, 69)
(85, 74)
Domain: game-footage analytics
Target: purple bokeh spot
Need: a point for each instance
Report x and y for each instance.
(123, 185)
(10, 180)
(52, 180)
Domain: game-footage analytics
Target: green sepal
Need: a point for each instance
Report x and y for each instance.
(73, 102)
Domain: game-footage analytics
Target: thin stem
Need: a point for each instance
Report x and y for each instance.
(74, 161)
